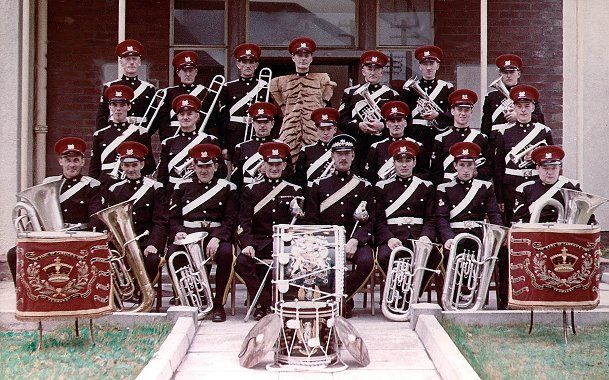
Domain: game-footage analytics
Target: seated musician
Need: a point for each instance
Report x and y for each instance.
(174, 150)
(206, 204)
(333, 200)
(263, 205)
(548, 161)
(150, 208)
(79, 195)
(404, 204)
(104, 163)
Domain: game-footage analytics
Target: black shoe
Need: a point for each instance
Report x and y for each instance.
(218, 314)
(261, 312)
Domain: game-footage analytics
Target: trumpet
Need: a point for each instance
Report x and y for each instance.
(507, 103)
(185, 170)
(424, 102)
(264, 79)
(519, 158)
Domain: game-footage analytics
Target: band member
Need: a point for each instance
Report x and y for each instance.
(315, 161)
(150, 207)
(499, 109)
(246, 159)
(238, 95)
(405, 204)
(360, 106)
(104, 163)
(174, 165)
(513, 144)
(442, 169)
(335, 199)
(205, 203)
(531, 194)
(79, 196)
(263, 205)
(379, 164)
(427, 121)
(297, 95)
(130, 54)
(185, 65)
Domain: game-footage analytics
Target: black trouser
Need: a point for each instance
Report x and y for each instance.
(224, 267)
(364, 263)
(252, 275)
(503, 267)
(11, 260)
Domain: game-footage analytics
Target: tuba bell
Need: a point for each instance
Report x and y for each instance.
(580, 206)
(38, 208)
(118, 219)
(537, 207)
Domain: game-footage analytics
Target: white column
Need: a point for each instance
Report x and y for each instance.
(483, 49)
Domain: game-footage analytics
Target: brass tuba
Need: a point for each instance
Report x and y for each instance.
(537, 207)
(404, 280)
(118, 219)
(580, 206)
(38, 208)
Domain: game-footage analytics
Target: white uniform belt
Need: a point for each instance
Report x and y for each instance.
(136, 119)
(466, 224)
(521, 172)
(405, 220)
(200, 224)
(176, 180)
(238, 119)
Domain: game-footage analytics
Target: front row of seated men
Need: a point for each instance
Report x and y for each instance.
(398, 209)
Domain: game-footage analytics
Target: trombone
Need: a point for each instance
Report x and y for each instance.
(264, 79)
(155, 105)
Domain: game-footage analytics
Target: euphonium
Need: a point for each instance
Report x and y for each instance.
(404, 280)
(38, 208)
(118, 219)
(424, 102)
(580, 206)
(462, 273)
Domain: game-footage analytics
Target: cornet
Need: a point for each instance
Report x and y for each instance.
(184, 170)
(519, 158)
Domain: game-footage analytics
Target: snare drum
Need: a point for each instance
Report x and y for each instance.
(306, 337)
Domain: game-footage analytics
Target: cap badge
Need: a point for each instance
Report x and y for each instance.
(129, 152)
(324, 116)
(187, 59)
(204, 154)
(464, 97)
(71, 146)
(248, 52)
(129, 48)
(303, 44)
(403, 149)
(507, 63)
(275, 152)
(118, 93)
(522, 94)
(465, 152)
(394, 109)
(185, 103)
(549, 155)
(260, 111)
(426, 53)
(374, 59)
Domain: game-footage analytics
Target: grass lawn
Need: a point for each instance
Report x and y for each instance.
(510, 353)
(120, 352)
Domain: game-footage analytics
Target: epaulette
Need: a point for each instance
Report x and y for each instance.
(443, 186)
(521, 187)
(445, 83)
(351, 88)
(96, 133)
(487, 184)
(153, 183)
(296, 187)
(441, 135)
(114, 186)
(228, 184)
(381, 184)
(51, 179)
(374, 145)
(164, 142)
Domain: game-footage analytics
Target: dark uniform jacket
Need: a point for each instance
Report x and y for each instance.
(143, 95)
(333, 200)
(215, 209)
(150, 210)
(313, 161)
(259, 212)
(247, 161)
(379, 164)
(492, 112)
(105, 141)
(404, 209)
(442, 160)
(460, 202)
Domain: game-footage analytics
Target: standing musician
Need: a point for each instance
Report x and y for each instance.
(104, 163)
(359, 109)
(548, 161)
(263, 205)
(315, 160)
(79, 196)
(405, 204)
(334, 200)
(379, 165)
(150, 207)
(513, 144)
(174, 165)
(297, 95)
(238, 95)
(499, 109)
(207, 204)
(442, 169)
(427, 121)
(130, 53)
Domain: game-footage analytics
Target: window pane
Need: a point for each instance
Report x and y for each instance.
(198, 22)
(329, 23)
(404, 22)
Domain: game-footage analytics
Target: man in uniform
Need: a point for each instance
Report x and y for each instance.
(297, 95)
(315, 160)
(130, 53)
(513, 144)
(79, 196)
(442, 169)
(207, 204)
(104, 164)
(237, 96)
(497, 108)
(360, 106)
(379, 165)
(334, 200)
(263, 205)
(426, 120)
(150, 208)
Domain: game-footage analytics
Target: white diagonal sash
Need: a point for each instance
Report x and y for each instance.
(318, 163)
(139, 90)
(141, 191)
(450, 158)
(112, 146)
(549, 194)
(182, 154)
(524, 142)
(202, 199)
(264, 201)
(476, 185)
(386, 170)
(498, 112)
(360, 105)
(436, 91)
(349, 186)
(403, 197)
(73, 190)
(246, 98)
(251, 164)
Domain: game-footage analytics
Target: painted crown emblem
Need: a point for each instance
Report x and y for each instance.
(204, 154)
(187, 59)
(303, 44)
(549, 155)
(343, 143)
(129, 152)
(564, 261)
(464, 97)
(260, 111)
(58, 272)
(129, 48)
(403, 149)
(374, 58)
(426, 53)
